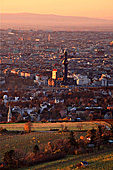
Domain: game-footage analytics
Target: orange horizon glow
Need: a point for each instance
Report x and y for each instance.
(84, 8)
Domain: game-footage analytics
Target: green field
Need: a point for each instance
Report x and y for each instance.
(48, 126)
(96, 161)
(26, 143)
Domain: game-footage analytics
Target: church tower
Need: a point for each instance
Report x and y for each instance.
(9, 114)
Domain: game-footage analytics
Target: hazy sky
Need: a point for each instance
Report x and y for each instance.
(87, 8)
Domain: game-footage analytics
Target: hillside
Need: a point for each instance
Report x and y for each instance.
(54, 22)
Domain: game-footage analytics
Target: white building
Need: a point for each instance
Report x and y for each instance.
(37, 77)
(110, 82)
(83, 81)
(28, 110)
(104, 82)
(104, 79)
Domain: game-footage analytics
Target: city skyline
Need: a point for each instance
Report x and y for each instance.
(93, 9)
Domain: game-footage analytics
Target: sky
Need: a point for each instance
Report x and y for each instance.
(86, 8)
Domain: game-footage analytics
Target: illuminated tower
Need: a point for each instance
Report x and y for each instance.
(49, 38)
(66, 69)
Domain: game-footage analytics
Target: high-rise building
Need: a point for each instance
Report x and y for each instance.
(66, 69)
(54, 74)
(49, 37)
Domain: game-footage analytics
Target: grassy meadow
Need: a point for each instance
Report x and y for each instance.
(47, 126)
(26, 142)
(96, 161)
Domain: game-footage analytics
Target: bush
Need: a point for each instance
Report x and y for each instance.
(61, 145)
(79, 126)
(29, 157)
(3, 130)
(19, 155)
(63, 128)
(71, 150)
(45, 158)
(49, 148)
(14, 159)
(111, 130)
(9, 160)
(82, 142)
(92, 134)
(21, 121)
(80, 150)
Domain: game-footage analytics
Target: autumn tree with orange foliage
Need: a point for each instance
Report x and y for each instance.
(27, 127)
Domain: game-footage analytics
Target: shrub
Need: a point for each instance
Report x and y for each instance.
(19, 156)
(49, 148)
(111, 130)
(46, 158)
(80, 126)
(8, 159)
(92, 134)
(71, 150)
(3, 130)
(82, 142)
(80, 150)
(61, 144)
(13, 119)
(65, 129)
(29, 157)
(14, 159)
(62, 127)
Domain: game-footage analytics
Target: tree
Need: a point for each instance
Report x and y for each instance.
(19, 117)
(62, 127)
(35, 149)
(50, 146)
(13, 119)
(80, 126)
(111, 129)
(92, 134)
(8, 159)
(25, 114)
(100, 130)
(27, 127)
(72, 140)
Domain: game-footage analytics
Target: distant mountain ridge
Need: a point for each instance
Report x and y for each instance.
(50, 21)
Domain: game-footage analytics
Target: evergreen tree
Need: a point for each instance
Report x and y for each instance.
(35, 149)
(72, 140)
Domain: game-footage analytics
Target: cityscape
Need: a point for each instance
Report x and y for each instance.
(37, 58)
(56, 86)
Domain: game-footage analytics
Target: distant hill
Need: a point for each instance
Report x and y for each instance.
(53, 22)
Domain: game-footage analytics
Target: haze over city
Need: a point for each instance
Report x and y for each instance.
(59, 15)
(94, 9)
